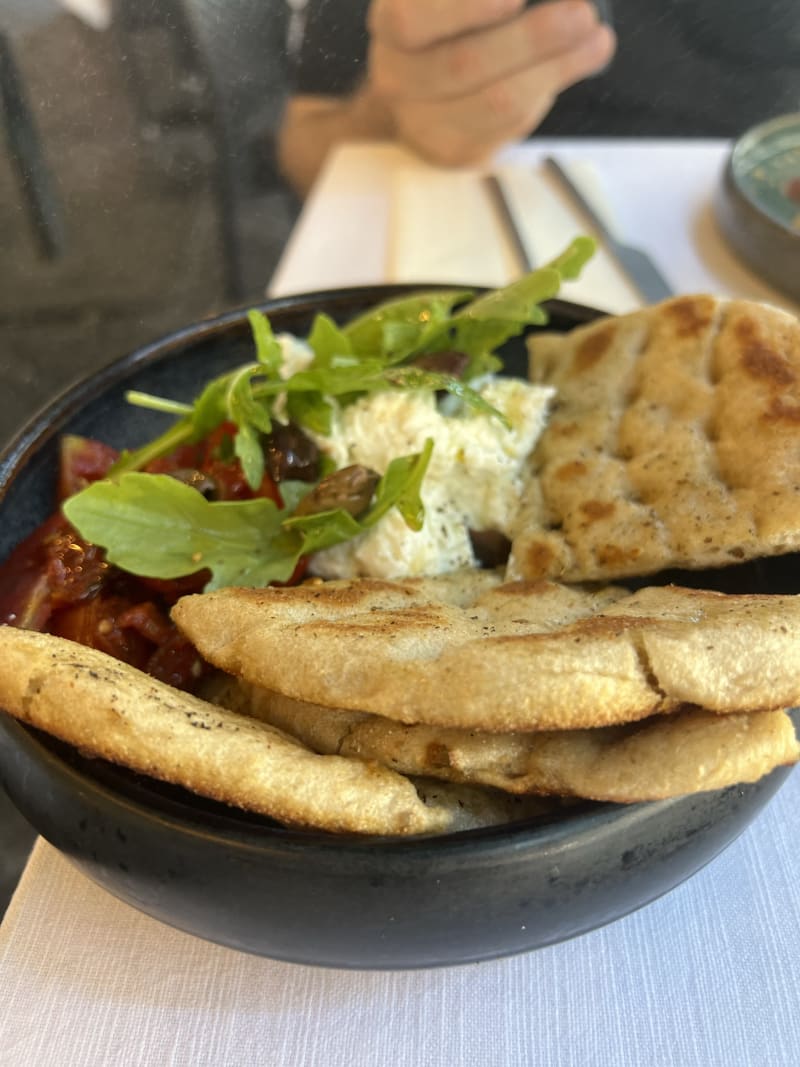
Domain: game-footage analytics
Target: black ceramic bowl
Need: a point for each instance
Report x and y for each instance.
(315, 898)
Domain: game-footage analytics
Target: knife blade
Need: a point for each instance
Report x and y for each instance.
(508, 224)
(637, 264)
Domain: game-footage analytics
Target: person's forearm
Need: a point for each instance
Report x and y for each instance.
(312, 125)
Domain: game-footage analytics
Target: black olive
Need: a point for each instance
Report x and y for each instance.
(447, 362)
(350, 489)
(198, 480)
(290, 455)
(491, 547)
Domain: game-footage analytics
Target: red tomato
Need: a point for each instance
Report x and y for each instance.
(96, 623)
(214, 457)
(177, 662)
(56, 581)
(52, 566)
(81, 461)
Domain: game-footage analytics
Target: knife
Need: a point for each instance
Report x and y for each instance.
(508, 223)
(638, 266)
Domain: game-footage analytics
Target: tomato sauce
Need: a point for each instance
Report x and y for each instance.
(55, 581)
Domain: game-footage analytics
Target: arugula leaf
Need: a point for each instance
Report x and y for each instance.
(268, 349)
(519, 302)
(401, 487)
(327, 341)
(180, 433)
(158, 527)
(574, 258)
(515, 303)
(210, 408)
(240, 404)
(247, 449)
(342, 377)
(324, 529)
(418, 378)
(492, 318)
(310, 410)
(205, 415)
(396, 328)
(252, 419)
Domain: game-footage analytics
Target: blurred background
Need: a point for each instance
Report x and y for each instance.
(138, 192)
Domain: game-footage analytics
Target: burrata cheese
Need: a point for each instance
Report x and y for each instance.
(474, 480)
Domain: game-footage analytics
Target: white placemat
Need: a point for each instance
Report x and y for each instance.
(658, 194)
(444, 226)
(704, 977)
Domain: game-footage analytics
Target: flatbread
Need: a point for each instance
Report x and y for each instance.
(506, 657)
(111, 710)
(674, 442)
(669, 755)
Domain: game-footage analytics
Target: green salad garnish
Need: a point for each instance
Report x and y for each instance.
(155, 526)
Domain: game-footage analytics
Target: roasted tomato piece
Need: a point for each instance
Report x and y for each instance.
(214, 457)
(232, 484)
(170, 589)
(177, 662)
(56, 581)
(174, 659)
(96, 623)
(24, 599)
(82, 460)
(51, 567)
(148, 620)
(183, 458)
(24, 589)
(298, 574)
(76, 570)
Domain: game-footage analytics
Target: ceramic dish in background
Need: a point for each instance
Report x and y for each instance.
(758, 201)
(243, 881)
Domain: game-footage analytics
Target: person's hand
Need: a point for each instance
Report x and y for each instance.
(459, 78)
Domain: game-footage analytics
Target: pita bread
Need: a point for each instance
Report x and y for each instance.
(517, 656)
(665, 756)
(674, 442)
(111, 710)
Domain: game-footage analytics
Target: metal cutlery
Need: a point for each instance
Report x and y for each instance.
(638, 266)
(502, 208)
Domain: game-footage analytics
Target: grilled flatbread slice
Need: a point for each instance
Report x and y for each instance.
(674, 442)
(668, 755)
(506, 657)
(111, 710)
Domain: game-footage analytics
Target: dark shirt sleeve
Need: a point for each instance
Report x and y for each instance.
(332, 57)
(690, 68)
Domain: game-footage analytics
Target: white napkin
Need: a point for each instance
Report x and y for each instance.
(444, 228)
(704, 977)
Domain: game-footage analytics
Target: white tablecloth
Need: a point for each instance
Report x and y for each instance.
(705, 976)
(657, 194)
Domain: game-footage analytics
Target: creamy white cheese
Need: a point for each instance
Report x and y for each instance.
(474, 480)
(296, 354)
